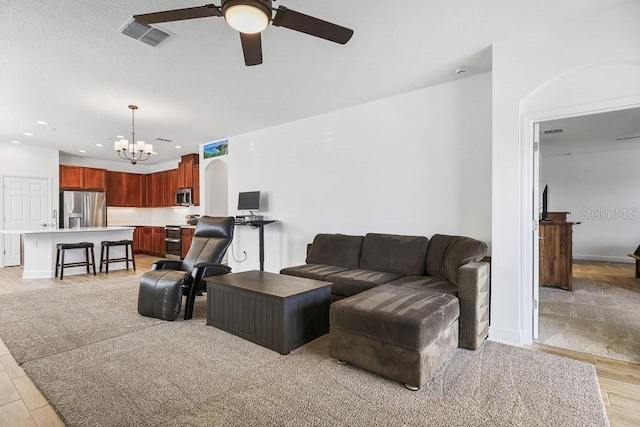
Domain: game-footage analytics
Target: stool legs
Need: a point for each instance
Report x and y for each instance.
(62, 264)
(88, 262)
(105, 256)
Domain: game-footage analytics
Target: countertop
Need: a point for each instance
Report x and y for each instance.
(52, 230)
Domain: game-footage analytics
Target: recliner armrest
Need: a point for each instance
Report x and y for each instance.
(166, 264)
(473, 293)
(211, 269)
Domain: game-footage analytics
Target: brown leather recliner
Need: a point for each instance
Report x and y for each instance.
(161, 289)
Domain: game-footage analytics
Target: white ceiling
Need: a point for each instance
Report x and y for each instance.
(594, 133)
(64, 62)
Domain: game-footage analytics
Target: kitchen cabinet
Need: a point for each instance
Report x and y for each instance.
(133, 189)
(196, 185)
(115, 188)
(147, 239)
(186, 173)
(187, 237)
(95, 179)
(125, 189)
(137, 240)
(82, 178)
(157, 241)
(173, 186)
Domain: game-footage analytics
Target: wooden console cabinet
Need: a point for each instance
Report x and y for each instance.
(556, 251)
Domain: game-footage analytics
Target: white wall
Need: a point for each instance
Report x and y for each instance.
(600, 191)
(417, 163)
(530, 66)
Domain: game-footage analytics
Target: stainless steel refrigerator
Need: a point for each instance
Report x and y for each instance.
(83, 209)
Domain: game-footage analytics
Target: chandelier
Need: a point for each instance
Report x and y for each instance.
(135, 151)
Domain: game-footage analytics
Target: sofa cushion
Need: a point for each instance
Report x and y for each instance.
(312, 271)
(446, 254)
(429, 283)
(336, 249)
(394, 254)
(400, 316)
(351, 282)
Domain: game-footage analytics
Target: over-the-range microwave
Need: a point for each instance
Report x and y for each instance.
(183, 197)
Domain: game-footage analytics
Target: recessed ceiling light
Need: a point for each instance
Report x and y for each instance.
(119, 136)
(99, 145)
(154, 153)
(82, 151)
(28, 133)
(178, 146)
(16, 142)
(41, 122)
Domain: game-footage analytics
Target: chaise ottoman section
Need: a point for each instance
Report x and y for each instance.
(401, 333)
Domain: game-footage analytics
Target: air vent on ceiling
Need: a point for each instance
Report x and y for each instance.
(148, 34)
(628, 137)
(552, 131)
(161, 139)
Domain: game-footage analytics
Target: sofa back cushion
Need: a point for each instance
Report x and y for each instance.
(394, 254)
(446, 254)
(335, 249)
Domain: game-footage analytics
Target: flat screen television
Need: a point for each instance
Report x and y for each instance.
(545, 210)
(249, 201)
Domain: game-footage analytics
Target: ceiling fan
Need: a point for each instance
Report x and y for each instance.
(250, 18)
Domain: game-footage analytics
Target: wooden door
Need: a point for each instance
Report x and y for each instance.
(94, 179)
(71, 177)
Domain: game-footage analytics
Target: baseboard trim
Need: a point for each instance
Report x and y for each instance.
(603, 258)
(505, 337)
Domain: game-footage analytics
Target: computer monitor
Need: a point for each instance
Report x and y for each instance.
(249, 201)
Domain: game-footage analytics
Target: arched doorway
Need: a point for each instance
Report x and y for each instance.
(216, 185)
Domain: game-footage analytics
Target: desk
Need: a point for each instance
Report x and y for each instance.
(259, 224)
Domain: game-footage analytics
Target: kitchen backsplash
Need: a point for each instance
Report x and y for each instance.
(150, 216)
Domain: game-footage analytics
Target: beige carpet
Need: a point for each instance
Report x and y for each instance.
(148, 373)
(596, 318)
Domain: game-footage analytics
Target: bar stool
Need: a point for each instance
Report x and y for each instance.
(62, 247)
(110, 243)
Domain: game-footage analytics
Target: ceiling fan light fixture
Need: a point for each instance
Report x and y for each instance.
(247, 17)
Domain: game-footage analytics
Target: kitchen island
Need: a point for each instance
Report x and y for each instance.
(38, 248)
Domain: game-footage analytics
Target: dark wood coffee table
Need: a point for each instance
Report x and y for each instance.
(277, 311)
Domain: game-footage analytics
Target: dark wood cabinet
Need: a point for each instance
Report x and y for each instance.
(173, 186)
(556, 253)
(115, 188)
(157, 241)
(125, 189)
(186, 173)
(95, 179)
(133, 189)
(70, 177)
(187, 237)
(196, 185)
(82, 178)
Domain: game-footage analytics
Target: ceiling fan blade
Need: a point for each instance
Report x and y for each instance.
(252, 48)
(309, 25)
(179, 14)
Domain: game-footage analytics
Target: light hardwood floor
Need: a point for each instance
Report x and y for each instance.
(22, 404)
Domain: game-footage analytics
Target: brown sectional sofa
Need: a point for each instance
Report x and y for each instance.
(402, 304)
(441, 265)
